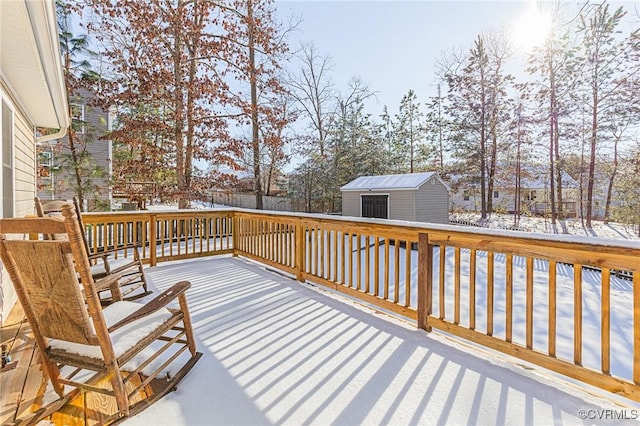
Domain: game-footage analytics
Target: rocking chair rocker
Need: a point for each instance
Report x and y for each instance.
(135, 347)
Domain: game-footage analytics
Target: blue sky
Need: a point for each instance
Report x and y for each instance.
(393, 45)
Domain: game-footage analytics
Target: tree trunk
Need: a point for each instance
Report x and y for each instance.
(611, 180)
(553, 124)
(483, 147)
(194, 49)
(178, 127)
(592, 159)
(255, 134)
(75, 157)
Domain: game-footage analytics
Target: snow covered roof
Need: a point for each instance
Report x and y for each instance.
(409, 181)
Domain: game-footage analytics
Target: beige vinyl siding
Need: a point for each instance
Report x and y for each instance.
(432, 202)
(23, 163)
(428, 203)
(24, 166)
(402, 205)
(351, 203)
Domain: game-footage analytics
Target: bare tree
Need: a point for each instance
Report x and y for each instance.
(313, 89)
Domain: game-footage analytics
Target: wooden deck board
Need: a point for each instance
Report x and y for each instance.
(23, 387)
(33, 389)
(12, 382)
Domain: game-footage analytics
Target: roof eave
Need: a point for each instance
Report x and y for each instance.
(31, 63)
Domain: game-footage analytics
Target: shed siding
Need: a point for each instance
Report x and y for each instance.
(432, 203)
(429, 202)
(402, 205)
(351, 203)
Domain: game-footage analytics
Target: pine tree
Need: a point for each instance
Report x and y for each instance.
(78, 74)
(604, 70)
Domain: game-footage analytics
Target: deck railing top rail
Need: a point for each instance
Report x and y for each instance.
(418, 227)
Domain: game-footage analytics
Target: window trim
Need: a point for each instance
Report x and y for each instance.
(6, 101)
(78, 120)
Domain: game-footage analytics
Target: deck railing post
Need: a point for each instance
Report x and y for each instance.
(300, 250)
(235, 233)
(425, 281)
(153, 240)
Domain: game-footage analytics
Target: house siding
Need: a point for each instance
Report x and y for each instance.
(96, 124)
(24, 166)
(23, 161)
(432, 203)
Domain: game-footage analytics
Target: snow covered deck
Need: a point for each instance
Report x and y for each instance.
(280, 352)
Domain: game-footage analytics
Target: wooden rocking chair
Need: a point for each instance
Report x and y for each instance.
(130, 345)
(133, 282)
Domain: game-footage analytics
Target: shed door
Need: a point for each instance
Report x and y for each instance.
(375, 206)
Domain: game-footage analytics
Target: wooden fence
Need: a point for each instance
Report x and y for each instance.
(529, 297)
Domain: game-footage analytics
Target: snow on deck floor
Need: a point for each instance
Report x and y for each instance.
(278, 352)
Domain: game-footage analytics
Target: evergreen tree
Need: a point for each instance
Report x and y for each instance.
(603, 69)
(77, 74)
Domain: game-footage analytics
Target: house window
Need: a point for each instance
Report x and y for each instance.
(77, 118)
(533, 196)
(7, 160)
(45, 158)
(496, 194)
(466, 195)
(44, 164)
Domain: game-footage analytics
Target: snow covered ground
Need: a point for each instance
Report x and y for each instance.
(541, 225)
(278, 352)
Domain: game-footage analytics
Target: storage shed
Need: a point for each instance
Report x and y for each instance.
(422, 197)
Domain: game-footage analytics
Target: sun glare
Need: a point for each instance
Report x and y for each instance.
(531, 29)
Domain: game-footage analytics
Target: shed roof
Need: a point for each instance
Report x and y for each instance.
(409, 181)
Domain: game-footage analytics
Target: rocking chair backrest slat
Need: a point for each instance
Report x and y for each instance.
(50, 209)
(76, 205)
(46, 272)
(54, 208)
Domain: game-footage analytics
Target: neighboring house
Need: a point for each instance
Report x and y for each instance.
(535, 196)
(34, 107)
(422, 197)
(56, 174)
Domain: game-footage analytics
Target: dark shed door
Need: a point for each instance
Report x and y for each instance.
(375, 206)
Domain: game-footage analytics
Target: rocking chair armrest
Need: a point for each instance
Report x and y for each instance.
(107, 252)
(154, 305)
(101, 255)
(107, 282)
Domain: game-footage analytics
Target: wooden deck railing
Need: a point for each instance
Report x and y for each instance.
(555, 272)
(162, 236)
(526, 296)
